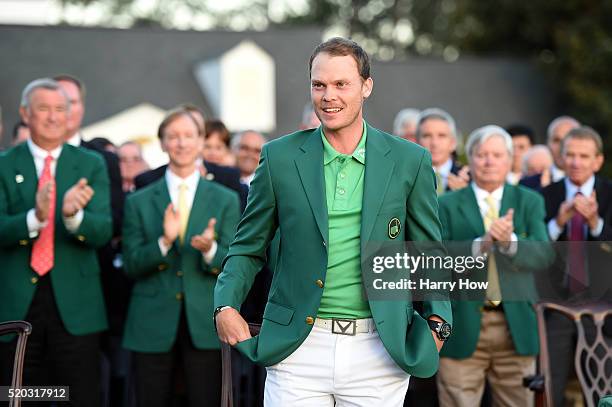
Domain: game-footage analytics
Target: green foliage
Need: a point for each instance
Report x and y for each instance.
(570, 39)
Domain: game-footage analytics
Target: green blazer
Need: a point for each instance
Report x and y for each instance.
(182, 279)
(288, 194)
(75, 277)
(461, 223)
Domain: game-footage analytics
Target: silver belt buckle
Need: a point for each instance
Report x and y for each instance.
(344, 326)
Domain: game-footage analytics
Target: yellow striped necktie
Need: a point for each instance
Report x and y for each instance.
(183, 209)
(493, 288)
(439, 184)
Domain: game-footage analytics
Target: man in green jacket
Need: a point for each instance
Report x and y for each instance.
(330, 191)
(496, 335)
(54, 214)
(176, 233)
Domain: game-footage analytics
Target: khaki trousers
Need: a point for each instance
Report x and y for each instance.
(461, 381)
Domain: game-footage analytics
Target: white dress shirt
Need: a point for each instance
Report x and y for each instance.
(75, 140)
(557, 173)
(483, 207)
(554, 231)
(513, 178)
(72, 223)
(173, 182)
(248, 179)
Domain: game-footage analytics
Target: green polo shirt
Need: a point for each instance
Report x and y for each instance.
(343, 290)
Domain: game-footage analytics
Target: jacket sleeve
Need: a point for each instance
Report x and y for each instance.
(247, 253)
(423, 224)
(140, 257)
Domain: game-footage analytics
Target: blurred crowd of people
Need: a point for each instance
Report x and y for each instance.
(144, 300)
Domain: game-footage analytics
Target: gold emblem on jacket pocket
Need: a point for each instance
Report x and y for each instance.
(394, 228)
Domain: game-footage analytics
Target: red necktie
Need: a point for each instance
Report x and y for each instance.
(43, 249)
(577, 271)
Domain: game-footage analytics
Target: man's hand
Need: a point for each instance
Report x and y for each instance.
(438, 342)
(204, 241)
(77, 198)
(566, 211)
(501, 229)
(172, 225)
(43, 201)
(588, 207)
(231, 327)
(457, 181)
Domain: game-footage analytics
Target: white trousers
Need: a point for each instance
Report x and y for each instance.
(330, 369)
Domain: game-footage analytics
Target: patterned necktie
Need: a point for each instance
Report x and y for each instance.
(183, 211)
(439, 184)
(577, 270)
(43, 249)
(493, 288)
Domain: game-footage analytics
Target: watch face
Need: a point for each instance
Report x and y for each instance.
(445, 330)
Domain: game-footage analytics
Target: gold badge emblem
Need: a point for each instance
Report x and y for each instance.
(394, 228)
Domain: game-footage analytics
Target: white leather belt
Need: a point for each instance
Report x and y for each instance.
(342, 326)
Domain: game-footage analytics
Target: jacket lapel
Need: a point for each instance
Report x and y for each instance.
(162, 196)
(197, 216)
(310, 170)
(508, 200)
(25, 175)
(66, 173)
(378, 173)
(471, 212)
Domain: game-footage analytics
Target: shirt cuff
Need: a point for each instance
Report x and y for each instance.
(72, 223)
(210, 255)
(476, 248)
(554, 231)
(34, 225)
(512, 248)
(598, 229)
(163, 248)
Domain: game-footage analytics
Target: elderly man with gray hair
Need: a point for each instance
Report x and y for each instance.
(405, 122)
(436, 131)
(54, 214)
(495, 336)
(536, 167)
(556, 132)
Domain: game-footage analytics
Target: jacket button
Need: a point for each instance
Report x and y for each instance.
(309, 320)
(319, 283)
(23, 242)
(215, 270)
(179, 296)
(162, 267)
(324, 243)
(34, 280)
(81, 238)
(179, 273)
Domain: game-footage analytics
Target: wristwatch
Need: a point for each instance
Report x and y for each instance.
(219, 309)
(443, 330)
